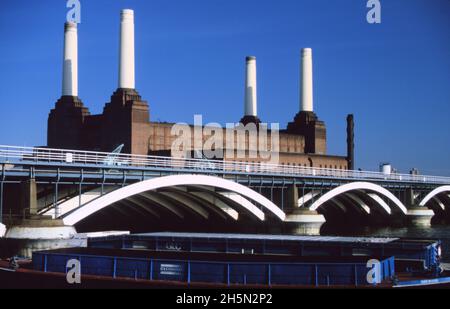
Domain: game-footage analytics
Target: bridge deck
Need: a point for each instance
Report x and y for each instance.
(12, 156)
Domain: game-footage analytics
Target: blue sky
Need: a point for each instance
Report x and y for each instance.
(395, 76)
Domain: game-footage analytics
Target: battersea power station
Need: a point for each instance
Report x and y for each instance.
(126, 118)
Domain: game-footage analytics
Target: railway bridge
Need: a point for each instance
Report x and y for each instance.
(88, 191)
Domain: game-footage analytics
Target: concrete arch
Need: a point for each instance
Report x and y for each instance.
(307, 197)
(243, 202)
(72, 203)
(439, 203)
(227, 204)
(433, 193)
(340, 205)
(127, 208)
(159, 200)
(2, 230)
(348, 205)
(145, 208)
(106, 200)
(217, 203)
(381, 202)
(187, 197)
(359, 186)
(178, 198)
(359, 201)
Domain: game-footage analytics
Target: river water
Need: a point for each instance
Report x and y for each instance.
(441, 232)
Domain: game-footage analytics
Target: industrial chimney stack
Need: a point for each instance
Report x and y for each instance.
(70, 63)
(126, 117)
(66, 120)
(250, 88)
(306, 122)
(126, 66)
(351, 142)
(251, 93)
(306, 96)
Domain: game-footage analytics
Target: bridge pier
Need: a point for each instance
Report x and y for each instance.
(26, 231)
(28, 197)
(37, 233)
(417, 215)
(300, 221)
(303, 222)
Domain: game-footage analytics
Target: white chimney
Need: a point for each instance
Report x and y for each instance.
(70, 64)
(306, 95)
(126, 66)
(250, 88)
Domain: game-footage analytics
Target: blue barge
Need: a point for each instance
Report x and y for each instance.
(410, 254)
(214, 268)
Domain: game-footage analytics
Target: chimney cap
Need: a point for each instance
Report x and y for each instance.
(127, 12)
(250, 58)
(306, 51)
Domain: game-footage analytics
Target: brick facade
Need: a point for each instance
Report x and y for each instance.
(126, 120)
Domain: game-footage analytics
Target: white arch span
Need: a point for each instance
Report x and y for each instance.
(68, 205)
(307, 197)
(380, 202)
(358, 186)
(433, 193)
(98, 204)
(2, 230)
(359, 201)
(439, 203)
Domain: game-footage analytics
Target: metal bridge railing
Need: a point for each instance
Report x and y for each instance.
(15, 155)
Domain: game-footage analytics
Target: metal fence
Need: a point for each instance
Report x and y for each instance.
(66, 158)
